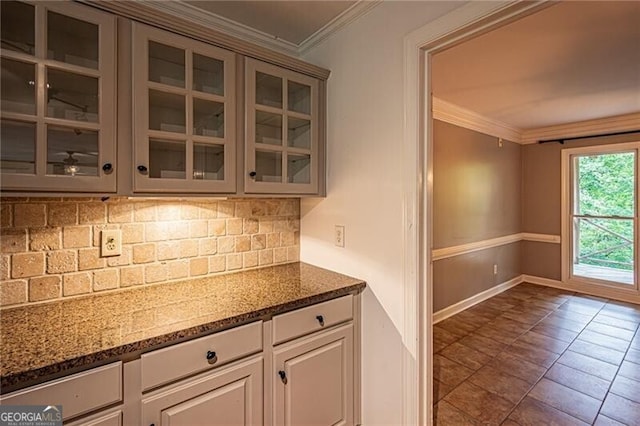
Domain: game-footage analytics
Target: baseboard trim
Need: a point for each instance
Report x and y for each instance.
(589, 289)
(474, 300)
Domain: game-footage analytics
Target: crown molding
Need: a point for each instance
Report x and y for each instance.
(181, 9)
(360, 8)
(459, 116)
(185, 10)
(618, 123)
(454, 114)
(161, 15)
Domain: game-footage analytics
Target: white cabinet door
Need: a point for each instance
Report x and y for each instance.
(58, 97)
(282, 130)
(231, 396)
(184, 114)
(313, 380)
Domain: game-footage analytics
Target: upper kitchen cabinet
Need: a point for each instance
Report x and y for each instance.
(282, 131)
(58, 97)
(184, 115)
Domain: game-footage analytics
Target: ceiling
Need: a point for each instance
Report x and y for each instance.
(292, 21)
(291, 27)
(570, 62)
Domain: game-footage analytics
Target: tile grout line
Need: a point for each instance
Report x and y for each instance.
(635, 334)
(547, 369)
(567, 349)
(530, 329)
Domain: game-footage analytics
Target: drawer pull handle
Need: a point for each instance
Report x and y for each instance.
(320, 319)
(283, 376)
(212, 358)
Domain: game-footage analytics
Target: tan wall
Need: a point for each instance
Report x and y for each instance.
(541, 204)
(460, 277)
(477, 186)
(477, 196)
(50, 247)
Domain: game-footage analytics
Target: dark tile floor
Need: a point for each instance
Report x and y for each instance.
(535, 356)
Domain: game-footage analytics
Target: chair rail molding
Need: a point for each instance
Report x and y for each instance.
(452, 251)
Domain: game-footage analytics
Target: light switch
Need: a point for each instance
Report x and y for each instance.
(339, 235)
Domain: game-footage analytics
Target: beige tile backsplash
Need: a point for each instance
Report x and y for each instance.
(51, 247)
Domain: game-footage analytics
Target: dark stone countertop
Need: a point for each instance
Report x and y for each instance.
(49, 340)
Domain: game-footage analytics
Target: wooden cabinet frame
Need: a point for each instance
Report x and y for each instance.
(141, 35)
(105, 181)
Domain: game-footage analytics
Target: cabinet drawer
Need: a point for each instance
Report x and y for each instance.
(78, 393)
(313, 318)
(106, 418)
(184, 359)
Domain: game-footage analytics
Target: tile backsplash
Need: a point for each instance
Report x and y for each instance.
(51, 247)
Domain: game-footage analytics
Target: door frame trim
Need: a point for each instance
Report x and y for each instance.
(466, 22)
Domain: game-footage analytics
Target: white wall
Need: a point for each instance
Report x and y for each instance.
(364, 132)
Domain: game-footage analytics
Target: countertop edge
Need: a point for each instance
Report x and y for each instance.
(14, 382)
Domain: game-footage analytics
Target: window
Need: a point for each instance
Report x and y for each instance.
(600, 232)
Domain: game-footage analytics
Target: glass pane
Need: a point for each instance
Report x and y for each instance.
(166, 64)
(18, 87)
(606, 184)
(299, 134)
(268, 166)
(72, 41)
(72, 96)
(167, 159)
(299, 97)
(18, 147)
(17, 23)
(166, 112)
(298, 168)
(208, 161)
(268, 90)
(208, 118)
(268, 128)
(72, 152)
(208, 75)
(603, 249)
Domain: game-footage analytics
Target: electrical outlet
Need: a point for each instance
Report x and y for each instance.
(110, 242)
(495, 269)
(339, 235)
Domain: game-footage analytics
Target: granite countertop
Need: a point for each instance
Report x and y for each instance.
(45, 341)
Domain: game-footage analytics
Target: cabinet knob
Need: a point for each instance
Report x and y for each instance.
(142, 169)
(212, 358)
(252, 174)
(320, 319)
(107, 167)
(283, 376)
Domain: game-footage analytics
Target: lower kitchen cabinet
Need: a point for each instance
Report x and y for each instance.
(297, 368)
(314, 382)
(78, 394)
(111, 417)
(227, 396)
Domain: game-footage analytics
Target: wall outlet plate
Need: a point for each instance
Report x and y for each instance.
(110, 242)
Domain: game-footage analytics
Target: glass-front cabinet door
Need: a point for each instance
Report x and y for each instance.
(281, 130)
(184, 114)
(58, 97)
